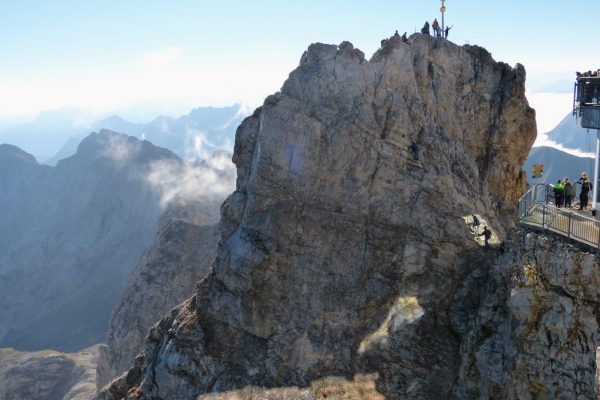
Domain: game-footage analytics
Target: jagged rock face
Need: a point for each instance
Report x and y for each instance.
(70, 235)
(47, 375)
(536, 331)
(181, 254)
(340, 255)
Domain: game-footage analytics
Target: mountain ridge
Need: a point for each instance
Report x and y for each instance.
(72, 233)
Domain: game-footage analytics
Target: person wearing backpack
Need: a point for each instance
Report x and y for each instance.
(559, 191)
(586, 186)
(568, 192)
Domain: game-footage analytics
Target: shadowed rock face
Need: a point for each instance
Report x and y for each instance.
(47, 375)
(341, 255)
(182, 253)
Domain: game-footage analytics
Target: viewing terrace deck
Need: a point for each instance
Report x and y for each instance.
(534, 211)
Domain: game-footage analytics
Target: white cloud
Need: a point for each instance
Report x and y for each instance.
(550, 109)
(197, 145)
(120, 149)
(542, 140)
(164, 78)
(187, 180)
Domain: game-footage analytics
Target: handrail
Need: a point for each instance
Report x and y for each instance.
(536, 193)
(534, 210)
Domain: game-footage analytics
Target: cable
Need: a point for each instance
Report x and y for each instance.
(454, 37)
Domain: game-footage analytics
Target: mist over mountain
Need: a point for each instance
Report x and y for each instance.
(572, 136)
(196, 135)
(43, 136)
(55, 134)
(71, 234)
(561, 86)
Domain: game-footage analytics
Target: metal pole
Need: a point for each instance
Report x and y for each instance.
(595, 182)
(442, 10)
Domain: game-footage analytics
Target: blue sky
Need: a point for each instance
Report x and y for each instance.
(169, 56)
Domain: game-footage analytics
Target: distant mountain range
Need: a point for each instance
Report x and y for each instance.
(54, 135)
(557, 165)
(572, 136)
(71, 234)
(44, 136)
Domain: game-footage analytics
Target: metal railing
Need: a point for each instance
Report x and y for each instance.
(535, 210)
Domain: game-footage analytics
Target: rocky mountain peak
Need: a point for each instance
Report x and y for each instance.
(116, 147)
(341, 253)
(10, 153)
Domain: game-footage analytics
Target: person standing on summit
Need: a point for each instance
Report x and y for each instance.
(435, 27)
(446, 31)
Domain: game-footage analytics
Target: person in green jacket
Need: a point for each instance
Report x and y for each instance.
(559, 193)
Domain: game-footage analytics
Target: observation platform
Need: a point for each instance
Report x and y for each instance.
(586, 102)
(536, 211)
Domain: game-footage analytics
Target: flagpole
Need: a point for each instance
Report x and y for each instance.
(443, 10)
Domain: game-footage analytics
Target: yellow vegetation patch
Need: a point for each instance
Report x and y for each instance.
(362, 387)
(403, 312)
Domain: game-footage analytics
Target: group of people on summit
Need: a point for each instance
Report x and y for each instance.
(404, 38)
(437, 29)
(563, 192)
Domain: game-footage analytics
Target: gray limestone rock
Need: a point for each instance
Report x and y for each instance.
(341, 256)
(535, 330)
(48, 375)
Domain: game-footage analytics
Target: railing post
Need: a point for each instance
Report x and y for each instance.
(544, 217)
(569, 232)
(596, 223)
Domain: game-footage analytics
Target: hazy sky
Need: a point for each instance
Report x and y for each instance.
(170, 56)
